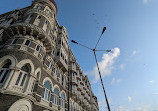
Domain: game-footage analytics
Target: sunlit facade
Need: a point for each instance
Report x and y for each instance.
(38, 71)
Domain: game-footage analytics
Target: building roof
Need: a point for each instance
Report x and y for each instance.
(54, 3)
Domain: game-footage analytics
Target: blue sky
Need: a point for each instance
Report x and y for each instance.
(130, 70)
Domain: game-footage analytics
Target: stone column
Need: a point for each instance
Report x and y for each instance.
(29, 84)
(12, 78)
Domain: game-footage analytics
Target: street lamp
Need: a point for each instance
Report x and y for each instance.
(94, 51)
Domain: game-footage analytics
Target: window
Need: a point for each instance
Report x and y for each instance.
(4, 72)
(37, 20)
(65, 61)
(14, 41)
(51, 66)
(63, 100)
(46, 22)
(59, 75)
(63, 57)
(38, 6)
(46, 91)
(45, 26)
(24, 72)
(27, 43)
(56, 96)
(54, 70)
(63, 80)
(37, 48)
(28, 18)
(57, 53)
(61, 54)
(33, 85)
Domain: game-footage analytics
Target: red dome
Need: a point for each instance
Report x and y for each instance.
(54, 3)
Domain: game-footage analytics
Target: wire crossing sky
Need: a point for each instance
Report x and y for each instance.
(130, 70)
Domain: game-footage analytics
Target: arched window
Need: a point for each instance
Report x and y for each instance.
(4, 71)
(27, 42)
(28, 18)
(46, 91)
(23, 74)
(56, 96)
(63, 100)
(37, 20)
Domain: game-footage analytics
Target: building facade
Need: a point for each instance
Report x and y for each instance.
(38, 71)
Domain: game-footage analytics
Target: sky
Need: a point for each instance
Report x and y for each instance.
(129, 71)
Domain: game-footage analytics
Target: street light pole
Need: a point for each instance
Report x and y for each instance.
(108, 106)
(94, 51)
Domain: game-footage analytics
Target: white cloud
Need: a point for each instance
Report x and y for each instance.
(115, 81)
(134, 52)
(122, 108)
(156, 93)
(152, 81)
(122, 66)
(146, 1)
(101, 103)
(106, 64)
(129, 99)
(144, 108)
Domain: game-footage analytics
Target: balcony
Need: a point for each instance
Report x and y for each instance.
(84, 88)
(89, 106)
(72, 66)
(42, 12)
(32, 30)
(81, 82)
(61, 63)
(74, 93)
(79, 97)
(78, 78)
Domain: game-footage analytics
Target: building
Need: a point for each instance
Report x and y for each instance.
(38, 71)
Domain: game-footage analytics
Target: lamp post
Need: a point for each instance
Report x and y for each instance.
(94, 51)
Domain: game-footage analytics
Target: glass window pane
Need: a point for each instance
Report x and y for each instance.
(23, 80)
(46, 94)
(27, 42)
(17, 81)
(37, 48)
(7, 65)
(47, 85)
(4, 76)
(26, 69)
(53, 98)
(63, 96)
(1, 72)
(15, 40)
(43, 92)
(56, 91)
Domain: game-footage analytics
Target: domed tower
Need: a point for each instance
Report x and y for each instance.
(29, 75)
